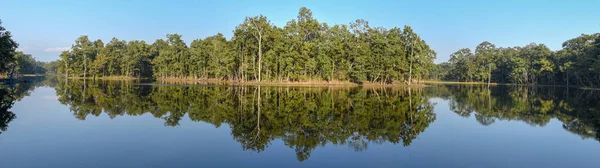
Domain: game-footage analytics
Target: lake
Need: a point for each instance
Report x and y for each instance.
(72, 123)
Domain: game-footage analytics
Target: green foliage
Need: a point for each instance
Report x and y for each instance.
(303, 50)
(577, 62)
(51, 68)
(7, 50)
(6, 102)
(26, 64)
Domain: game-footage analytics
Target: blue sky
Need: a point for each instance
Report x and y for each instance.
(44, 28)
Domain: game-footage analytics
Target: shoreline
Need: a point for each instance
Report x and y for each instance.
(506, 84)
(203, 81)
(105, 78)
(279, 83)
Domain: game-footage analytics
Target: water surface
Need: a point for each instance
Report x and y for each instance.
(58, 123)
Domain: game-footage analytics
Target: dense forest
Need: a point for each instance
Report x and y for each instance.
(303, 50)
(306, 50)
(577, 63)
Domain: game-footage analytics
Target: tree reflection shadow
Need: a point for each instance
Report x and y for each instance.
(577, 109)
(12, 92)
(304, 118)
(6, 102)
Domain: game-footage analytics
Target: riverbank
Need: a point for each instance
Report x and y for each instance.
(508, 84)
(20, 79)
(107, 78)
(262, 83)
(193, 81)
(4, 76)
(459, 83)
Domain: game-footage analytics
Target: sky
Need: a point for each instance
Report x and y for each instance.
(45, 28)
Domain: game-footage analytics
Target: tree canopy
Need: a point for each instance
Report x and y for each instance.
(577, 63)
(303, 50)
(7, 49)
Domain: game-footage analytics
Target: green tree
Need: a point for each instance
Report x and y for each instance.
(303, 50)
(485, 53)
(257, 26)
(7, 49)
(83, 51)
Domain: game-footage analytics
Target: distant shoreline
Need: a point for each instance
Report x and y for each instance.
(505, 84)
(201, 81)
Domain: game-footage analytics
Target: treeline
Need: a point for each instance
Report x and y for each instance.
(303, 118)
(26, 64)
(303, 50)
(16, 63)
(577, 63)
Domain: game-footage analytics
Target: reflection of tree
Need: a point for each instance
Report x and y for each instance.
(6, 102)
(11, 93)
(577, 109)
(303, 118)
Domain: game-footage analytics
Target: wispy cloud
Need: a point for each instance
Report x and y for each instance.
(57, 49)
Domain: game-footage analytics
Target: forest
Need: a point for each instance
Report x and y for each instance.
(577, 63)
(303, 50)
(306, 50)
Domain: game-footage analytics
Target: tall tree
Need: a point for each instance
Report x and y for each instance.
(257, 26)
(84, 51)
(486, 55)
(7, 49)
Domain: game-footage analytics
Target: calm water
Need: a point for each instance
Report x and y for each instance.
(120, 124)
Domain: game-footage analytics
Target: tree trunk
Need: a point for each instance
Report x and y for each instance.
(410, 73)
(254, 68)
(12, 73)
(258, 114)
(242, 63)
(259, 55)
(84, 66)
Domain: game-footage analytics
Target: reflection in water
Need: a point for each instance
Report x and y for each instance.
(303, 118)
(577, 109)
(306, 118)
(9, 93)
(6, 102)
